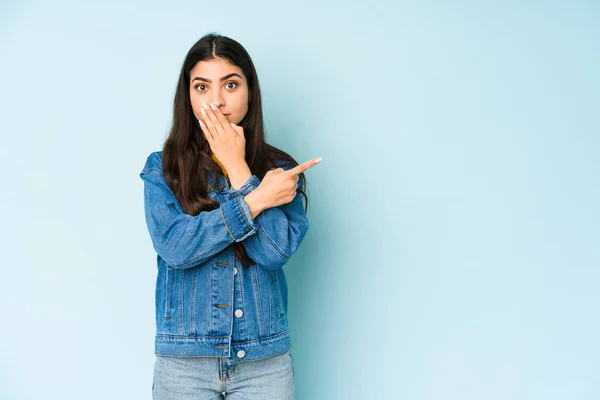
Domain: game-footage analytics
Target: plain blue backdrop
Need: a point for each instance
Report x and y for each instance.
(453, 251)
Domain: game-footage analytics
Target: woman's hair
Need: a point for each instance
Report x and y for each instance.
(184, 166)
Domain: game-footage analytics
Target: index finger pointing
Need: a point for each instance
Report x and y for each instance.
(304, 166)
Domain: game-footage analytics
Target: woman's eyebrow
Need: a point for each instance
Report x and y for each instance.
(222, 79)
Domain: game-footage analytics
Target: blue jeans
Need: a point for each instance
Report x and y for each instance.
(199, 378)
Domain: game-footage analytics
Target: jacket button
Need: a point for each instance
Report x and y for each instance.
(234, 270)
(239, 313)
(241, 353)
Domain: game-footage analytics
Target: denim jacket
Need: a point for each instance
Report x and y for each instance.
(206, 303)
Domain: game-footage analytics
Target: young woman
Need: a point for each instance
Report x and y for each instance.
(225, 213)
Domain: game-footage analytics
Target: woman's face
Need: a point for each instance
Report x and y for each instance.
(219, 82)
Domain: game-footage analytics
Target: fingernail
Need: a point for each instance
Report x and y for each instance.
(213, 106)
(204, 105)
(203, 112)
(200, 122)
(318, 160)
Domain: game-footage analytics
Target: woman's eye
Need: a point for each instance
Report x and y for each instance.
(227, 85)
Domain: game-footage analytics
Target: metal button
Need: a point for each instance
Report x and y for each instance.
(239, 313)
(234, 270)
(241, 353)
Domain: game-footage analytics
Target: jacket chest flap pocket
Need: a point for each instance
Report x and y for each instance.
(218, 194)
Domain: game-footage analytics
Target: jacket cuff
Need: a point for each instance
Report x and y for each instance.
(251, 184)
(238, 218)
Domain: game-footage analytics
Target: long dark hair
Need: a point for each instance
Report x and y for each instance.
(184, 166)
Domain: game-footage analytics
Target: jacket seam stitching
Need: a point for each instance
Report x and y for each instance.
(258, 301)
(242, 212)
(226, 224)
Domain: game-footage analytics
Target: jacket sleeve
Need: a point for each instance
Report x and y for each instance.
(280, 230)
(183, 240)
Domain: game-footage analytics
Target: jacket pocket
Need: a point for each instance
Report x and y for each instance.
(282, 317)
(277, 312)
(259, 303)
(169, 293)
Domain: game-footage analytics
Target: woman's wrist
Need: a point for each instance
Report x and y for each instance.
(238, 175)
(256, 202)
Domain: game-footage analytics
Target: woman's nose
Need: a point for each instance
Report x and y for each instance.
(217, 101)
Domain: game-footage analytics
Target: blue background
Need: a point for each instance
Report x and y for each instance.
(453, 249)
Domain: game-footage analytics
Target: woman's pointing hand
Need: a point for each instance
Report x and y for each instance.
(279, 186)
